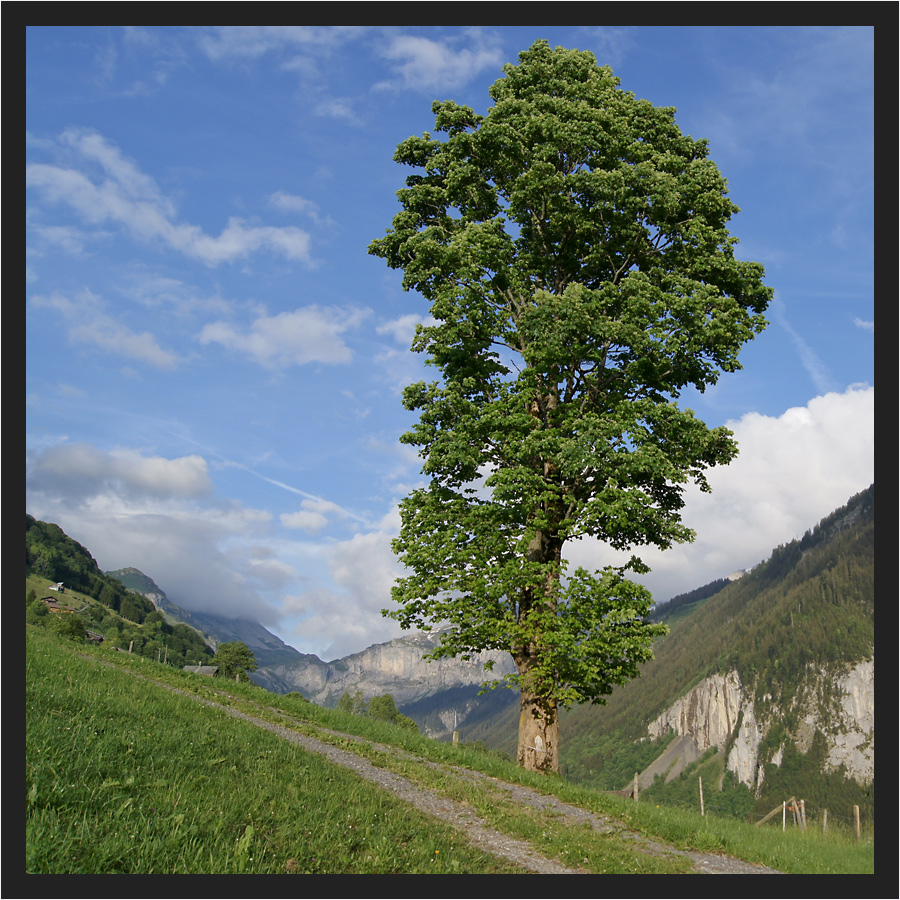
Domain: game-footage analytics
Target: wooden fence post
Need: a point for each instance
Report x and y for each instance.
(702, 811)
(783, 814)
(824, 821)
(803, 815)
(856, 821)
(635, 787)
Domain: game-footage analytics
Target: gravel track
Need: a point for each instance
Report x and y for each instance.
(475, 829)
(463, 818)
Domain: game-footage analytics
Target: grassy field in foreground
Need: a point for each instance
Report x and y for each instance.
(124, 776)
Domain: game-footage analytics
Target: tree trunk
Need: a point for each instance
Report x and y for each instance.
(538, 735)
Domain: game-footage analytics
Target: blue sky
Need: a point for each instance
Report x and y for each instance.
(214, 363)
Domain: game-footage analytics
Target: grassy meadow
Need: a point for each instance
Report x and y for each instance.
(123, 776)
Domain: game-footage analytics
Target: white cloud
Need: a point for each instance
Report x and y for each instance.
(229, 42)
(337, 108)
(89, 323)
(345, 618)
(403, 329)
(862, 323)
(305, 520)
(294, 203)
(81, 472)
(792, 471)
(126, 196)
(307, 334)
(160, 516)
(423, 64)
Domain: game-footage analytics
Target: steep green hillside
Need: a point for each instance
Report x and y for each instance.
(52, 554)
(268, 649)
(810, 605)
(123, 617)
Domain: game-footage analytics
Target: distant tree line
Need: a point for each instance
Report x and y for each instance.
(665, 612)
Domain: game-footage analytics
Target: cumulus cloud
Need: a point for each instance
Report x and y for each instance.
(106, 187)
(345, 617)
(403, 329)
(307, 334)
(211, 554)
(792, 470)
(81, 472)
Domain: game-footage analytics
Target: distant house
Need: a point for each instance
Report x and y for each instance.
(57, 587)
(211, 671)
(55, 605)
(95, 637)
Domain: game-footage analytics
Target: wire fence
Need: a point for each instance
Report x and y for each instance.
(794, 813)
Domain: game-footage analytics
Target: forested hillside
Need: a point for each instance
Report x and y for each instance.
(808, 609)
(124, 618)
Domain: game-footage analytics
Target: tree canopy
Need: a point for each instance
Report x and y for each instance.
(572, 244)
(235, 660)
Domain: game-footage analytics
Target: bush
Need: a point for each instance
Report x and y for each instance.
(69, 625)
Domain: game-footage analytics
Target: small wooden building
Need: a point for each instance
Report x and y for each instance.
(211, 671)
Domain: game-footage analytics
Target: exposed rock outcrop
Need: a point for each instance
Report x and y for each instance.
(395, 668)
(720, 711)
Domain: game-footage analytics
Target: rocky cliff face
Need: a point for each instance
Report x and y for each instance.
(395, 668)
(720, 711)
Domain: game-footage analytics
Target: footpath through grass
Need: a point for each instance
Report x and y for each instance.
(125, 776)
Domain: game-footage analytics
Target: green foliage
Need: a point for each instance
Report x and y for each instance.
(353, 704)
(383, 708)
(608, 761)
(52, 554)
(35, 612)
(573, 246)
(723, 796)
(683, 604)
(770, 625)
(125, 618)
(235, 660)
(69, 625)
(801, 775)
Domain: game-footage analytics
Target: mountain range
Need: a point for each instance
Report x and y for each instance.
(268, 649)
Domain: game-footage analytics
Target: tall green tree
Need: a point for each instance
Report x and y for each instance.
(572, 244)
